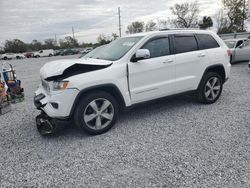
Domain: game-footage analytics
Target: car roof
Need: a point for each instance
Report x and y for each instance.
(170, 31)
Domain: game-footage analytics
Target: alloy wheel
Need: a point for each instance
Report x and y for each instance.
(98, 114)
(212, 88)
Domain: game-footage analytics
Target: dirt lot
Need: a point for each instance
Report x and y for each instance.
(173, 142)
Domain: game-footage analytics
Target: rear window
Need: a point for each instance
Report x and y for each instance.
(207, 41)
(185, 44)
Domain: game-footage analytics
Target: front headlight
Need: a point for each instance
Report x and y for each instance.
(60, 85)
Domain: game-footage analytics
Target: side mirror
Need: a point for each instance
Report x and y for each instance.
(141, 54)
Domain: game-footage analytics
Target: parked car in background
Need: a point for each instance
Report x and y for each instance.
(128, 71)
(69, 52)
(57, 52)
(88, 55)
(29, 54)
(87, 50)
(240, 49)
(44, 53)
(8, 56)
(20, 56)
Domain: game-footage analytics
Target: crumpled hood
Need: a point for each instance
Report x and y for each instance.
(57, 68)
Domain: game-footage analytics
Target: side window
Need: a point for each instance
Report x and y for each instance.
(240, 42)
(41, 51)
(207, 41)
(158, 47)
(185, 44)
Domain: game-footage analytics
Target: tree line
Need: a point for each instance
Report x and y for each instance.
(229, 19)
(18, 46)
(185, 15)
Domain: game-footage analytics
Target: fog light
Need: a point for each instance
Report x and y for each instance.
(54, 105)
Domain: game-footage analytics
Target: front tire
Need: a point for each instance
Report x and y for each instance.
(210, 88)
(96, 113)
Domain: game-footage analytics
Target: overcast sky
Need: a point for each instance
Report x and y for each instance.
(42, 19)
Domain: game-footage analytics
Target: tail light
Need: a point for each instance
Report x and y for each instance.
(229, 52)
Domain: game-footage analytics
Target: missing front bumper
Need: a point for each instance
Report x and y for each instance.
(45, 124)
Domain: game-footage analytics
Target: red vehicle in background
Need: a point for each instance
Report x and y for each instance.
(29, 54)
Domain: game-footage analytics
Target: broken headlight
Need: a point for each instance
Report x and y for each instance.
(60, 85)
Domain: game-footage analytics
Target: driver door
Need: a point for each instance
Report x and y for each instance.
(154, 77)
(242, 53)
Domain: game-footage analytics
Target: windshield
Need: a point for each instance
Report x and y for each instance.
(114, 50)
(90, 54)
(230, 44)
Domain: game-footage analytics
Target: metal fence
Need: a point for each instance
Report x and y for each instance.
(235, 35)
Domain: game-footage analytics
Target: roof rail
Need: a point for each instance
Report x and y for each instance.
(167, 29)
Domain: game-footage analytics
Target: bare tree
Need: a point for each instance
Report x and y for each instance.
(151, 26)
(186, 15)
(114, 36)
(49, 44)
(237, 14)
(135, 27)
(222, 22)
(164, 24)
(103, 39)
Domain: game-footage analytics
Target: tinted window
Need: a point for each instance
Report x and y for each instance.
(240, 42)
(158, 47)
(207, 41)
(185, 44)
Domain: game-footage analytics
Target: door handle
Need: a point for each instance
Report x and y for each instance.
(168, 61)
(202, 55)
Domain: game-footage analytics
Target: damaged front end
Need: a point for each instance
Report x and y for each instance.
(45, 124)
(56, 95)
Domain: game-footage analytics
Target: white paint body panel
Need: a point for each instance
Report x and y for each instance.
(44, 53)
(141, 81)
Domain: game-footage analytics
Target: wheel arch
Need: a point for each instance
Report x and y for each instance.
(109, 88)
(217, 68)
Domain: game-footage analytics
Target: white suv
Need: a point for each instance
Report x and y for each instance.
(130, 70)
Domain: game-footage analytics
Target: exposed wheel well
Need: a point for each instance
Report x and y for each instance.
(109, 88)
(219, 69)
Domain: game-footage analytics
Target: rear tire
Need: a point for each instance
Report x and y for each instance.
(210, 88)
(96, 112)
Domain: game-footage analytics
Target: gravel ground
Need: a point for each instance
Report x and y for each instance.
(173, 142)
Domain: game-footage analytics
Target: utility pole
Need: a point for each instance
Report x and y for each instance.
(73, 33)
(120, 27)
(55, 40)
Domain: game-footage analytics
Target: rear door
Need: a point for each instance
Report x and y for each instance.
(154, 77)
(190, 62)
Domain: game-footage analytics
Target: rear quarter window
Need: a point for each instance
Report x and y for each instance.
(185, 44)
(206, 41)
